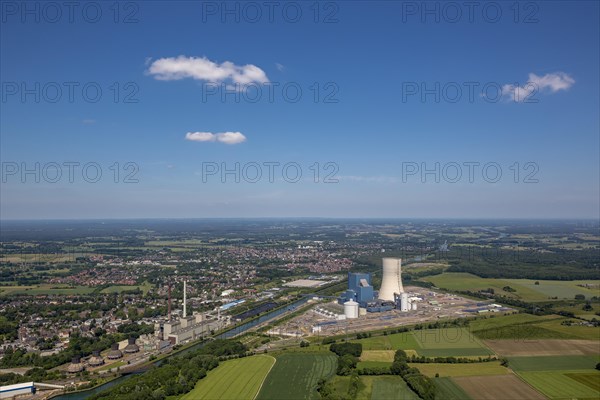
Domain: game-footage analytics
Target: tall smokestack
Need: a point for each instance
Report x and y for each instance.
(184, 299)
(169, 301)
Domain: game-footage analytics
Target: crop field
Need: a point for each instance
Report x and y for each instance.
(502, 387)
(558, 385)
(391, 387)
(448, 342)
(234, 379)
(526, 289)
(590, 379)
(550, 347)
(295, 376)
(548, 327)
(378, 355)
(373, 364)
(450, 370)
(396, 341)
(448, 390)
(571, 332)
(553, 363)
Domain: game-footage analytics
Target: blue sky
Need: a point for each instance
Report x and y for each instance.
(369, 62)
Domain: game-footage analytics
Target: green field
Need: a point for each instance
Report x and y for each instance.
(234, 379)
(295, 376)
(526, 289)
(557, 385)
(449, 370)
(145, 287)
(44, 290)
(591, 379)
(553, 363)
(525, 326)
(404, 341)
(444, 342)
(448, 390)
(373, 364)
(391, 387)
(448, 342)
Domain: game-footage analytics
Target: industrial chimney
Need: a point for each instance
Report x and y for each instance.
(391, 281)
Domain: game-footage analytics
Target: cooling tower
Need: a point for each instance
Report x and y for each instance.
(391, 281)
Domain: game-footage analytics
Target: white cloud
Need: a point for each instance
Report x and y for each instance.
(223, 137)
(203, 69)
(552, 83)
(280, 67)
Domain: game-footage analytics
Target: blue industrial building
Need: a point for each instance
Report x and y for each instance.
(359, 289)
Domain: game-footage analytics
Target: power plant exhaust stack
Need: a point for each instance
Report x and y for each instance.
(184, 299)
(391, 281)
(169, 302)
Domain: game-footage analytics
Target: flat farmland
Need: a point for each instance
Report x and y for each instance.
(546, 347)
(403, 341)
(558, 385)
(590, 379)
(448, 342)
(234, 379)
(451, 370)
(501, 387)
(391, 387)
(447, 389)
(525, 289)
(378, 355)
(295, 376)
(553, 363)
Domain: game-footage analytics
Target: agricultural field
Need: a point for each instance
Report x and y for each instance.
(450, 370)
(430, 343)
(233, 379)
(378, 355)
(497, 387)
(553, 363)
(404, 341)
(591, 379)
(447, 389)
(526, 289)
(391, 387)
(295, 376)
(550, 347)
(524, 326)
(559, 385)
(448, 342)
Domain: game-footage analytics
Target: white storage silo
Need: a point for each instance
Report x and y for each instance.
(414, 306)
(351, 309)
(391, 281)
(404, 304)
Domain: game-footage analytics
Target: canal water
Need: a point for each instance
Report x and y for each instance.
(225, 335)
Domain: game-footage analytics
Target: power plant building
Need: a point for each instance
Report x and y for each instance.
(359, 289)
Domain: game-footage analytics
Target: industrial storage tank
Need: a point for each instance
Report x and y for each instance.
(391, 280)
(404, 304)
(351, 309)
(414, 306)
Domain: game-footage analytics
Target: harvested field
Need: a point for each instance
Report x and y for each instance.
(378, 355)
(544, 347)
(501, 387)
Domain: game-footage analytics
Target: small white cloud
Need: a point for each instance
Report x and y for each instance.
(203, 69)
(223, 137)
(280, 67)
(551, 83)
